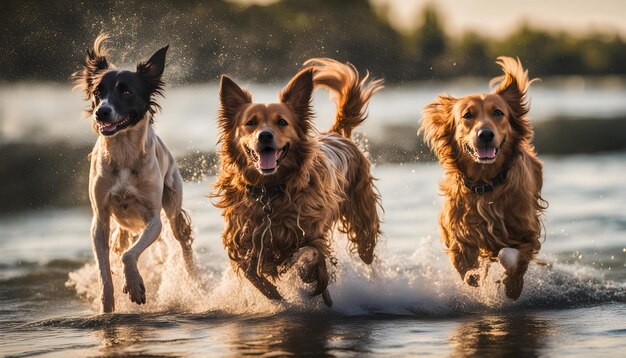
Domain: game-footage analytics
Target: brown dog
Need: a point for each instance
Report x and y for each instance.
(133, 175)
(282, 187)
(493, 179)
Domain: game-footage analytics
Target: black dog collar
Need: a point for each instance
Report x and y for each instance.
(487, 186)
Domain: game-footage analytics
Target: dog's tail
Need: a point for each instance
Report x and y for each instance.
(350, 92)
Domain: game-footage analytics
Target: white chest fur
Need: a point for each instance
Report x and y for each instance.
(125, 200)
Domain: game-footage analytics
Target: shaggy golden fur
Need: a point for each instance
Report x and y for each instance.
(478, 138)
(282, 187)
(133, 175)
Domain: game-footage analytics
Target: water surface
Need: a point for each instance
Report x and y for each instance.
(411, 302)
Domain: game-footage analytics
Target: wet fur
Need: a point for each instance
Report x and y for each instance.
(326, 180)
(133, 176)
(478, 226)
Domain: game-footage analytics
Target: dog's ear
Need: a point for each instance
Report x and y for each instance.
(297, 94)
(437, 126)
(513, 87)
(95, 63)
(232, 98)
(152, 69)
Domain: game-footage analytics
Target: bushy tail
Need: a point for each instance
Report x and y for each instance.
(350, 92)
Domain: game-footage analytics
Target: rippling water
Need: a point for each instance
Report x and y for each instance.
(411, 302)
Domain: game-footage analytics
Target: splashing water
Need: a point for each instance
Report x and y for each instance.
(423, 283)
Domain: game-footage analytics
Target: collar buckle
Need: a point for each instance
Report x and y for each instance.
(488, 186)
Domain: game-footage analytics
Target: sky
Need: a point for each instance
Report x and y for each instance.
(497, 18)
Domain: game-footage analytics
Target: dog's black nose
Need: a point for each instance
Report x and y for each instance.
(265, 137)
(485, 135)
(103, 114)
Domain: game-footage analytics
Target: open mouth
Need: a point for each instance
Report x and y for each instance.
(108, 129)
(484, 155)
(268, 159)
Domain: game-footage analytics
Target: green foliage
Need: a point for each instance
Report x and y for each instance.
(46, 40)
(431, 45)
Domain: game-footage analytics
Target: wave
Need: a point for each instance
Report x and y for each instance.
(26, 280)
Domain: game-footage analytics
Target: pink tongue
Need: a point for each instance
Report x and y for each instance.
(268, 159)
(486, 152)
(108, 128)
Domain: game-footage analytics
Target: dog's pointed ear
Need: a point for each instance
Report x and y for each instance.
(152, 69)
(297, 94)
(438, 126)
(232, 98)
(95, 63)
(513, 88)
(152, 73)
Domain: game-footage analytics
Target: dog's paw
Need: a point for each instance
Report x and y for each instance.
(327, 300)
(513, 287)
(472, 279)
(306, 261)
(366, 253)
(133, 286)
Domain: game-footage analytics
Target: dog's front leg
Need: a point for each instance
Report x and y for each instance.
(465, 260)
(261, 283)
(311, 266)
(515, 263)
(100, 227)
(133, 284)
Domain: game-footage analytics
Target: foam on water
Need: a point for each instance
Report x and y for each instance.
(422, 283)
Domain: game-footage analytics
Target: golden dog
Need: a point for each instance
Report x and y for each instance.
(282, 187)
(493, 179)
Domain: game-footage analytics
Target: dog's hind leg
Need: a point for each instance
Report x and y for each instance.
(179, 219)
(359, 212)
(465, 260)
(100, 229)
(123, 241)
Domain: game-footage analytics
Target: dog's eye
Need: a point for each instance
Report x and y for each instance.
(498, 113)
(468, 115)
(251, 122)
(96, 94)
(126, 92)
(282, 122)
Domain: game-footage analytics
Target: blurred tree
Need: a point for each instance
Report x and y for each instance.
(431, 44)
(616, 52)
(470, 55)
(46, 40)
